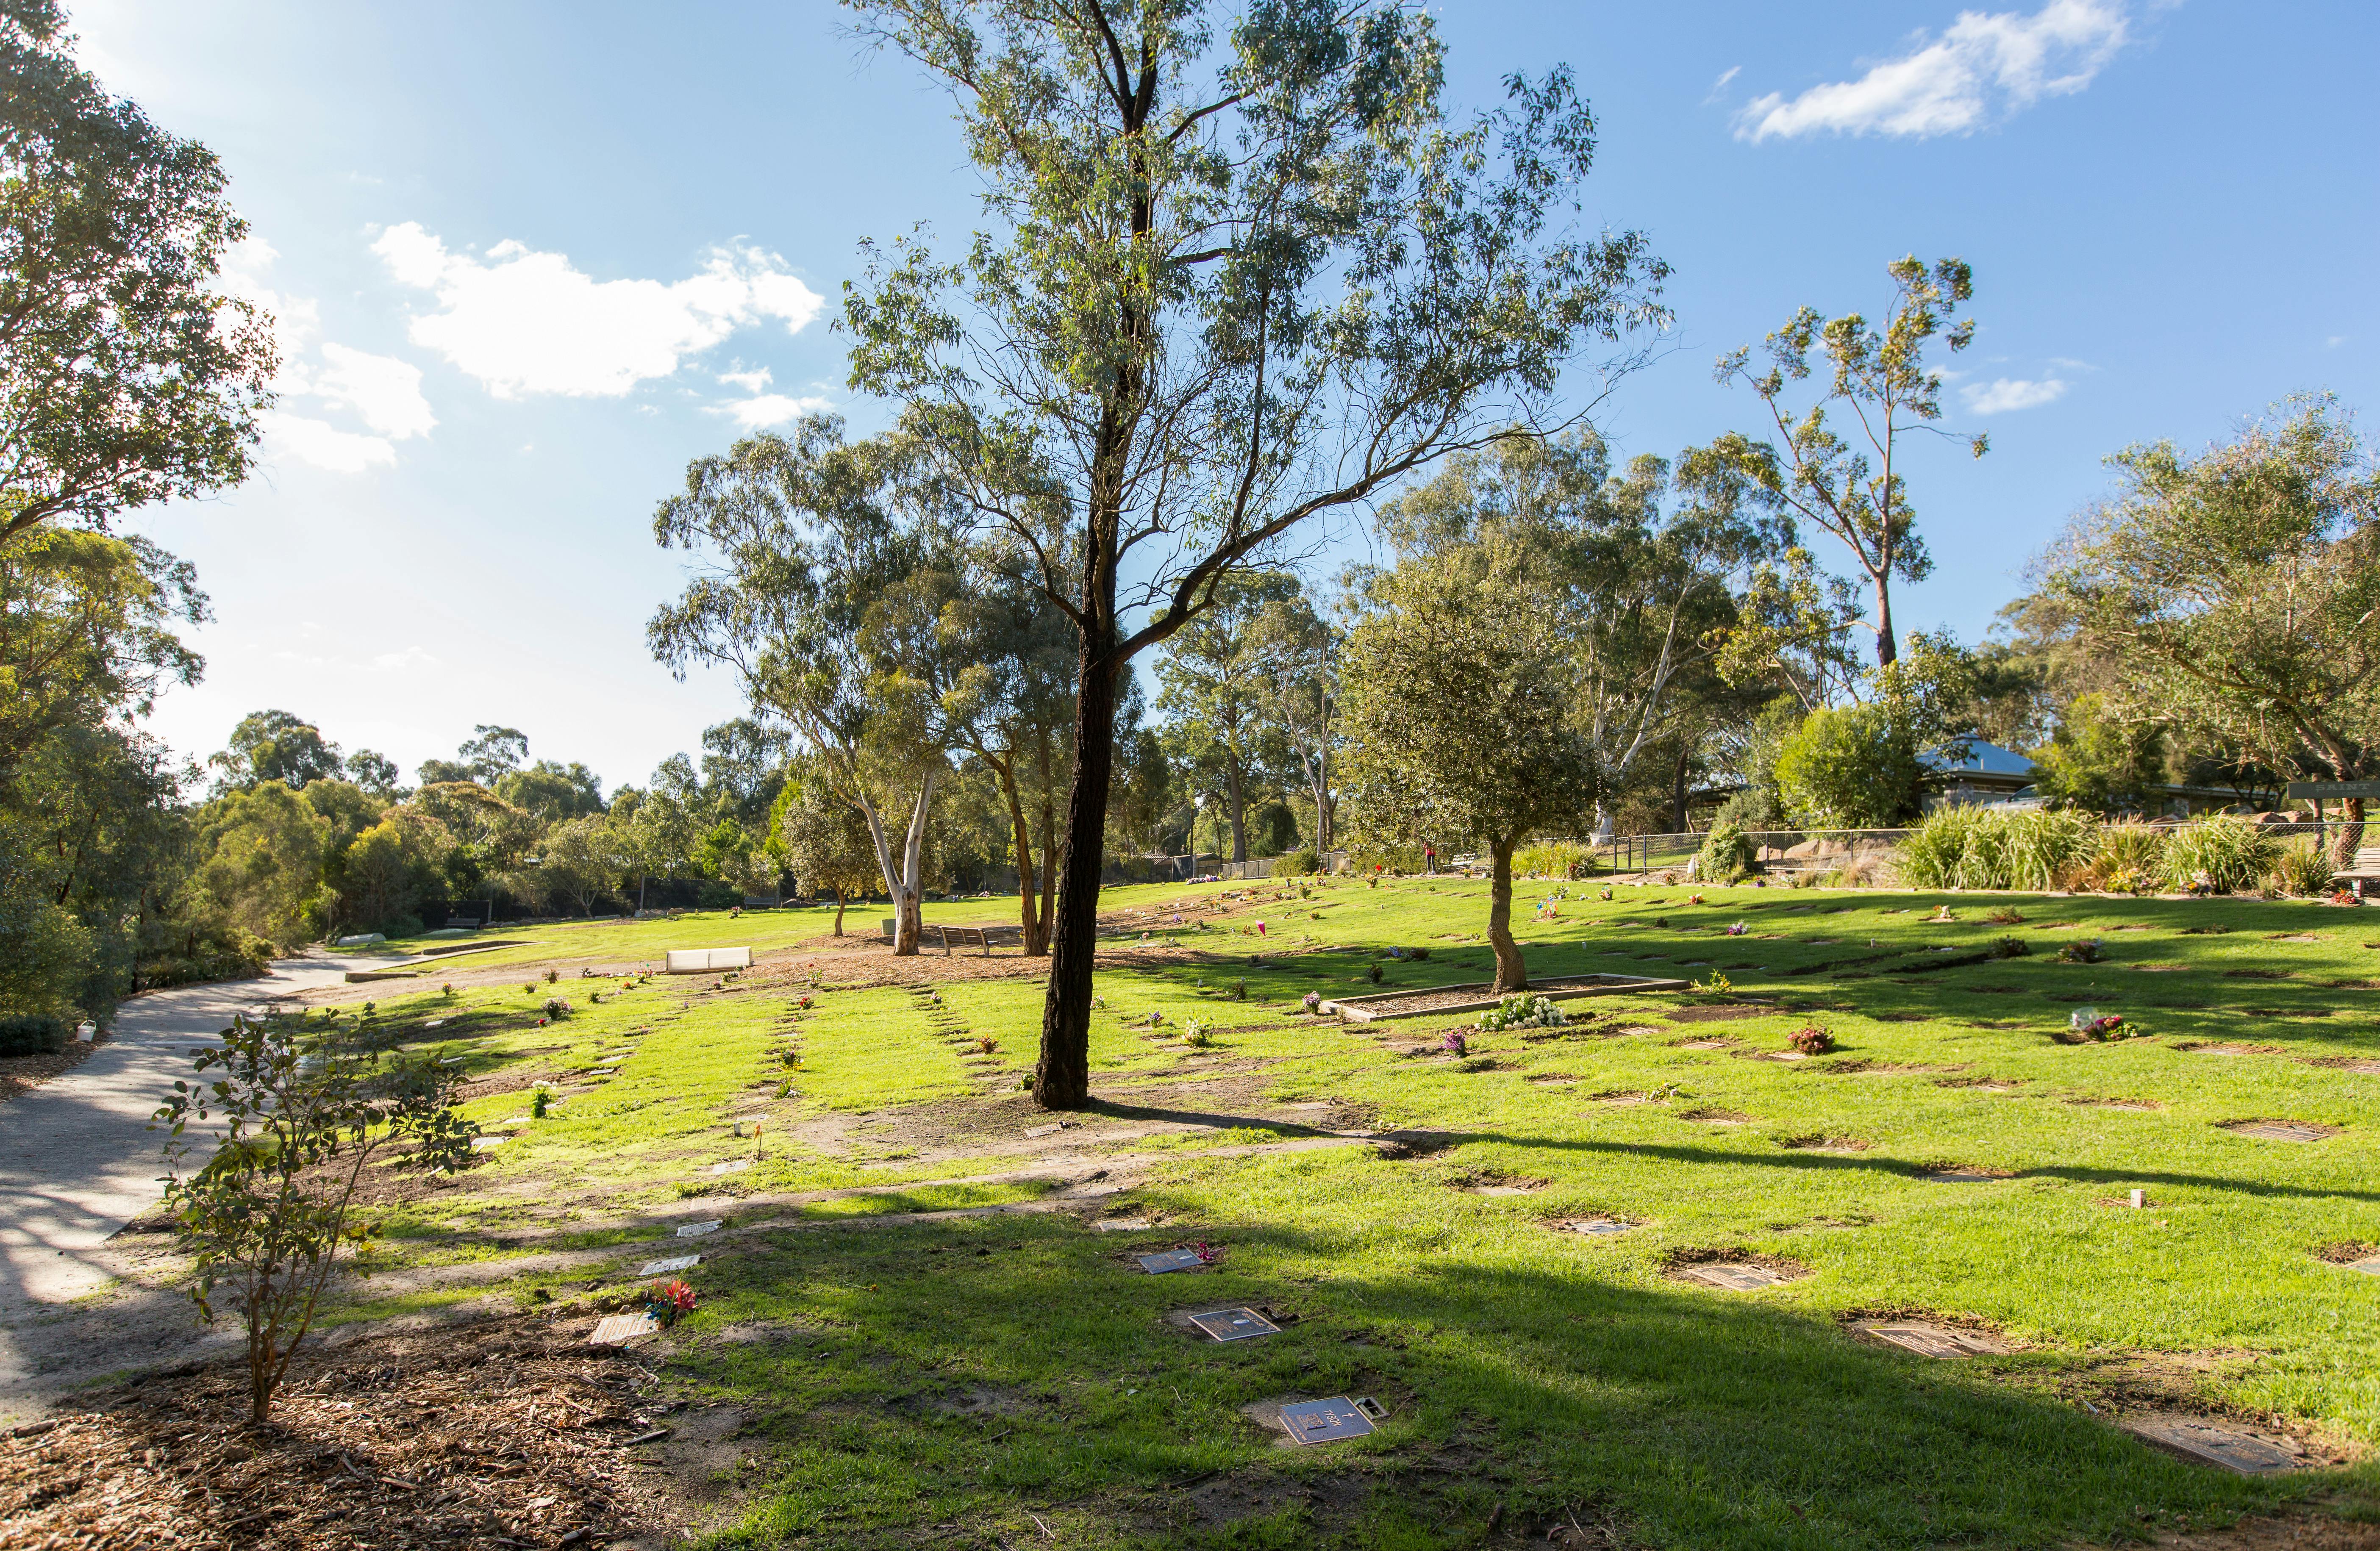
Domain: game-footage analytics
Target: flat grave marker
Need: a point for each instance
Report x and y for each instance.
(2369, 1265)
(733, 1166)
(697, 1229)
(2280, 1131)
(1599, 1227)
(1329, 1421)
(2210, 1443)
(1171, 1260)
(1122, 1224)
(1931, 1341)
(1735, 1278)
(481, 1144)
(1234, 1325)
(674, 1263)
(1960, 1176)
(619, 1329)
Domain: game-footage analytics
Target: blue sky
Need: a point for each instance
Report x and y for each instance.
(532, 258)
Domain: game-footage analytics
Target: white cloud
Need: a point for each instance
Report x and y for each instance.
(1986, 65)
(2008, 394)
(411, 657)
(523, 321)
(383, 392)
(751, 382)
(1720, 85)
(769, 409)
(2334, 342)
(322, 444)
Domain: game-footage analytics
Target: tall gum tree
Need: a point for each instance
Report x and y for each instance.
(1855, 485)
(1237, 272)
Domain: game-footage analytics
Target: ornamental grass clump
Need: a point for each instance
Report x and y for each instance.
(1520, 1010)
(2302, 870)
(1995, 848)
(2130, 860)
(2220, 853)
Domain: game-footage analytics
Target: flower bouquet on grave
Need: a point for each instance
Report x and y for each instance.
(805, 1003)
(2098, 1027)
(1454, 1044)
(2081, 952)
(1312, 1000)
(670, 1300)
(1697, 899)
(1810, 1041)
(1738, 929)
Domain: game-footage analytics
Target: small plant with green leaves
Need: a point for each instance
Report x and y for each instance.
(2006, 915)
(1239, 991)
(1715, 983)
(539, 1102)
(2303, 871)
(1373, 973)
(2009, 948)
(285, 1132)
(1810, 1041)
(1198, 1034)
(1520, 1010)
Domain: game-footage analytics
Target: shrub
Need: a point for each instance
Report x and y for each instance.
(556, 1008)
(1727, 855)
(2222, 852)
(2089, 953)
(32, 1034)
(266, 1214)
(1848, 769)
(1301, 862)
(2130, 860)
(2009, 948)
(2303, 869)
(1372, 972)
(1389, 858)
(1995, 848)
(1552, 859)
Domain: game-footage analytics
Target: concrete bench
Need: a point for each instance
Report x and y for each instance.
(702, 961)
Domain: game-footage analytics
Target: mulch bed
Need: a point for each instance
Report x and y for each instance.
(20, 1074)
(502, 1433)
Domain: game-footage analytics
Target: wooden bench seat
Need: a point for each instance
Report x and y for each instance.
(966, 936)
(2366, 870)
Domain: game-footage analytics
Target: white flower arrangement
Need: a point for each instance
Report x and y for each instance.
(1519, 1012)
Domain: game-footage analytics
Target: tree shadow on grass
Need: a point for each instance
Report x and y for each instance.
(1703, 1419)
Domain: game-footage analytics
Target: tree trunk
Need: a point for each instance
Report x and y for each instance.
(1048, 848)
(2344, 845)
(1235, 801)
(1511, 975)
(1885, 650)
(1028, 917)
(1680, 793)
(841, 904)
(1062, 1079)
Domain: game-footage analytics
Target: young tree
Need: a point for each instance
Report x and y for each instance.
(823, 842)
(581, 859)
(2240, 593)
(1858, 493)
(1459, 728)
(298, 1117)
(127, 374)
(1298, 651)
(1241, 272)
(811, 534)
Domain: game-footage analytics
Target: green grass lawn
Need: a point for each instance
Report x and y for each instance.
(989, 1372)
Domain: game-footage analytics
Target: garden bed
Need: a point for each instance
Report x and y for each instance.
(1478, 995)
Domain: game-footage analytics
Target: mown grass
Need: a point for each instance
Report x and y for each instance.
(985, 1371)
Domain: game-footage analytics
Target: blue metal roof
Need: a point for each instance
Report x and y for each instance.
(1983, 758)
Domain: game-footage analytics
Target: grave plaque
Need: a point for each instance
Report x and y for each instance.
(697, 1229)
(674, 1263)
(1931, 1341)
(619, 1329)
(1960, 1176)
(1234, 1325)
(733, 1166)
(2280, 1131)
(1171, 1260)
(1122, 1224)
(1325, 1421)
(2206, 1443)
(1735, 1278)
(1601, 1226)
(481, 1143)
(2369, 1265)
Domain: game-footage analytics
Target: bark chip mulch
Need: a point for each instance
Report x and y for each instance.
(507, 1434)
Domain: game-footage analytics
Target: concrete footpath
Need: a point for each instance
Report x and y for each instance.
(77, 1158)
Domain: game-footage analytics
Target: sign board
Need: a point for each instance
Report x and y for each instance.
(701, 961)
(2322, 791)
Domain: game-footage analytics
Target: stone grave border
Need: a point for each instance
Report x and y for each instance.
(1378, 1007)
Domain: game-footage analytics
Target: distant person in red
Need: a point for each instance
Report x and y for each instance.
(1429, 856)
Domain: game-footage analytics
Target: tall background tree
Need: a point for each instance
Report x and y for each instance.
(1849, 476)
(1239, 271)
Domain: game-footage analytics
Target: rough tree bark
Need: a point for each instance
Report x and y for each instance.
(1062, 1079)
(1511, 975)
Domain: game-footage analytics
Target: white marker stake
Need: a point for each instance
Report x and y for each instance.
(2140, 1199)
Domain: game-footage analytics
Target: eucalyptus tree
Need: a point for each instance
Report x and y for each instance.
(128, 372)
(804, 538)
(1238, 272)
(2238, 593)
(1856, 485)
(1641, 599)
(1298, 650)
(1214, 675)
